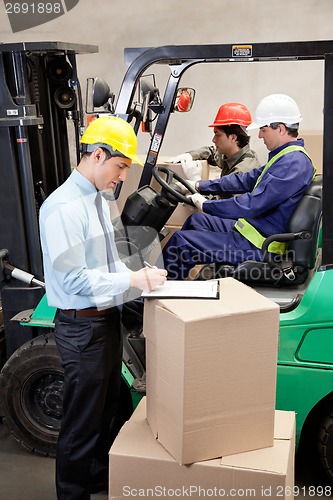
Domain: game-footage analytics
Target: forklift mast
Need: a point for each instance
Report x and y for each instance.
(39, 94)
(181, 57)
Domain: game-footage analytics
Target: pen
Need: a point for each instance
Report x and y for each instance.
(149, 265)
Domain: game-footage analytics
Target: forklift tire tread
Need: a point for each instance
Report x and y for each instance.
(31, 384)
(325, 445)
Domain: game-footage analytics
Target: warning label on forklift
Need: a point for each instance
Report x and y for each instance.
(152, 158)
(155, 145)
(242, 51)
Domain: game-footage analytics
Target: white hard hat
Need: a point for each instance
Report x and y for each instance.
(276, 108)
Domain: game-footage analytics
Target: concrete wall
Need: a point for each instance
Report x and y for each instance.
(116, 24)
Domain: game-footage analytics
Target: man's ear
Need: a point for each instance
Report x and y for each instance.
(283, 129)
(98, 155)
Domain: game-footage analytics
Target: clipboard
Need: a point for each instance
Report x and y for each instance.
(209, 289)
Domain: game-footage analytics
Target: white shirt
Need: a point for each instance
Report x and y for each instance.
(74, 250)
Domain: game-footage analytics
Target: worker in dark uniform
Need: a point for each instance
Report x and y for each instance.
(232, 230)
(231, 151)
(85, 280)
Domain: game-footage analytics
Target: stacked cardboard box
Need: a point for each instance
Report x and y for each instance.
(211, 372)
(211, 379)
(141, 467)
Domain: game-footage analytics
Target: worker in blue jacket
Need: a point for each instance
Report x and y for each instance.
(233, 230)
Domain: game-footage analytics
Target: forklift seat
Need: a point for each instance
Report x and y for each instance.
(293, 267)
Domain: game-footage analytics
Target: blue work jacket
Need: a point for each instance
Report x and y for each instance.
(270, 205)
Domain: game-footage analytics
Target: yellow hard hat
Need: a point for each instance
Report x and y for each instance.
(113, 133)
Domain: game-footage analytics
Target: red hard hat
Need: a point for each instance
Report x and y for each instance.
(184, 101)
(232, 113)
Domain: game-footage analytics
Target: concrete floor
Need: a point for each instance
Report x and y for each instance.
(25, 476)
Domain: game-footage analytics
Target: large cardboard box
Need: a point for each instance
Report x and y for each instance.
(313, 141)
(211, 372)
(141, 467)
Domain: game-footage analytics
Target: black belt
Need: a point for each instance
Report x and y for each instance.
(92, 312)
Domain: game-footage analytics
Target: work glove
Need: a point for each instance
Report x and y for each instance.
(180, 158)
(197, 199)
(192, 169)
(183, 188)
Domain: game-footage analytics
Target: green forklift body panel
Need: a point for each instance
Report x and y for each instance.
(305, 358)
(43, 315)
(129, 380)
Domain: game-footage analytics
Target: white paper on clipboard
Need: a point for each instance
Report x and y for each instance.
(186, 290)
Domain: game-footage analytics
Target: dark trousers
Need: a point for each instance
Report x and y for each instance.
(91, 355)
(205, 239)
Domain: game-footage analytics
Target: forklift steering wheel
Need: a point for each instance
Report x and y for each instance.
(167, 184)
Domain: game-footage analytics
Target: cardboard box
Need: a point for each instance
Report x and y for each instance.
(141, 467)
(313, 142)
(211, 372)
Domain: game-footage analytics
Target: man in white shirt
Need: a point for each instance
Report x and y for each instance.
(85, 280)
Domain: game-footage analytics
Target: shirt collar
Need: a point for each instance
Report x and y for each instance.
(296, 142)
(236, 156)
(83, 183)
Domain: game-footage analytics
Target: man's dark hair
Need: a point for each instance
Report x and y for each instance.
(86, 154)
(293, 132)
(242, 138)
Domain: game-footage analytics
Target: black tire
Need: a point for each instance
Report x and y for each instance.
(325, 444)
(31, 387)
(31, 384)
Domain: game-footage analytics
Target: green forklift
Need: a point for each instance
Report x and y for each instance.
(301, 283)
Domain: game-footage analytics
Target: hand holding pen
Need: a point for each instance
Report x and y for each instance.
(148, 278)
(149, 265)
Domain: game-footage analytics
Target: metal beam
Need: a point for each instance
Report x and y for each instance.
(327, 240)
(178, 54)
